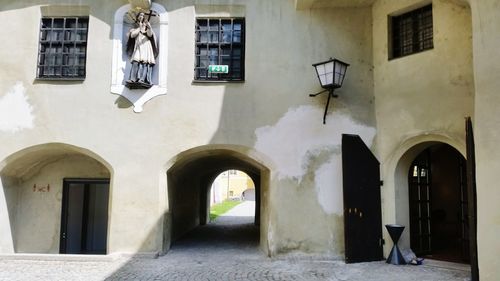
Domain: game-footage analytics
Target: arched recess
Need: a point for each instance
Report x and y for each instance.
(31, 201)
(189, 177)
(403, 158)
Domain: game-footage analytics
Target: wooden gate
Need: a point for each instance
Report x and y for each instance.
(362, 206)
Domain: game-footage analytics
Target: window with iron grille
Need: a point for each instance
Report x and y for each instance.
(63, 48)
(412, 32)
(220, 42)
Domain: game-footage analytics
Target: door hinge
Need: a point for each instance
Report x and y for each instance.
(381, 183)
(381, 242)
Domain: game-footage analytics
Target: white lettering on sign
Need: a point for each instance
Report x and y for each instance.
(218, 68)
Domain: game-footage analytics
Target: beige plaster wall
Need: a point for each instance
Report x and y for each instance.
(420, 97)
(270, 110)
(486, 120)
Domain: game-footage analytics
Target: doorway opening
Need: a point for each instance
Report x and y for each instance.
(84, 216)
(437, 193)
(193, 182)
(232, 198)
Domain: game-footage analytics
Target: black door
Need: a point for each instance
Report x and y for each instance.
(471, 194)
(84, 218)
(419, 191)
(362, 207)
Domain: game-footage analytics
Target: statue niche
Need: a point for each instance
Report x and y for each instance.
(139, 69)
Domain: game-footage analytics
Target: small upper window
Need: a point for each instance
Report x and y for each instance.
(412, 32)
(63, 48)
(220, 49)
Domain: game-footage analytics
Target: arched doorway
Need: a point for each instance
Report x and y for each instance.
(56, 197)
(190, 180)
(232, 192)
(437, 200)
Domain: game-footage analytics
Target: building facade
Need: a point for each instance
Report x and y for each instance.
(95, 159)
(231, 185)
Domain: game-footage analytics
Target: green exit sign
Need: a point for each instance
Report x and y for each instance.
(218, 68)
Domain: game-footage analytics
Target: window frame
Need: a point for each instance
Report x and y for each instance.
(219, 78)
(73, 45)
(419, 32)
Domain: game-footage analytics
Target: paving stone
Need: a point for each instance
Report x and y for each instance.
(222, 251)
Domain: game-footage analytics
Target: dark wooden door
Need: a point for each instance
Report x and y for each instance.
(362, 206)
(471, 194)
(419, 191)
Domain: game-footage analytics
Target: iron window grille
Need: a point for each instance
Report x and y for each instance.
(412, 32)
(220, 41)
(63, 48)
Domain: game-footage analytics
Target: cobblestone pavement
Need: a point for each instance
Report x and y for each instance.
(220, 251)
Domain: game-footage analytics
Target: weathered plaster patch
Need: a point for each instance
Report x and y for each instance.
(328, 183)
(15, 111)
(297, 140)
(300, 133)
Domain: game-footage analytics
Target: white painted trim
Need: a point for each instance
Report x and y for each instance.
(139, 97)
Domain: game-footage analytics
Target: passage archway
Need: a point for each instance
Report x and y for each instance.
(431, 201)
(56, 196)
(438, 204)
(189, 184)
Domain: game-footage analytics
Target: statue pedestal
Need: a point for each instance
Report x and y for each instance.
(137, 85)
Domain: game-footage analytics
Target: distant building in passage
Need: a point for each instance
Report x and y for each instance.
(230, 185)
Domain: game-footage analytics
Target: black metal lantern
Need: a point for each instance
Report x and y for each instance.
(331, 75)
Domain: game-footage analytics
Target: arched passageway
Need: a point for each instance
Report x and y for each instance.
(56, 197)
(189, 185)
(431, 200)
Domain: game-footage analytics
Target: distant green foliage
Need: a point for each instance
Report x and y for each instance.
(219, 209)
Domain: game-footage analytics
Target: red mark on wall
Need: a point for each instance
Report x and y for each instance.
(45, 188)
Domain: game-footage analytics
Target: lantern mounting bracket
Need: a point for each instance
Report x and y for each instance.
(330, 95)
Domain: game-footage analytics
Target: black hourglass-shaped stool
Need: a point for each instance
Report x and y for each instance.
(395, 231)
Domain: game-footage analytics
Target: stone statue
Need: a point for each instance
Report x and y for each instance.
(142, 51)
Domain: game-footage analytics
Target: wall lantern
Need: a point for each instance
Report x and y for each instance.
(331, 75)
